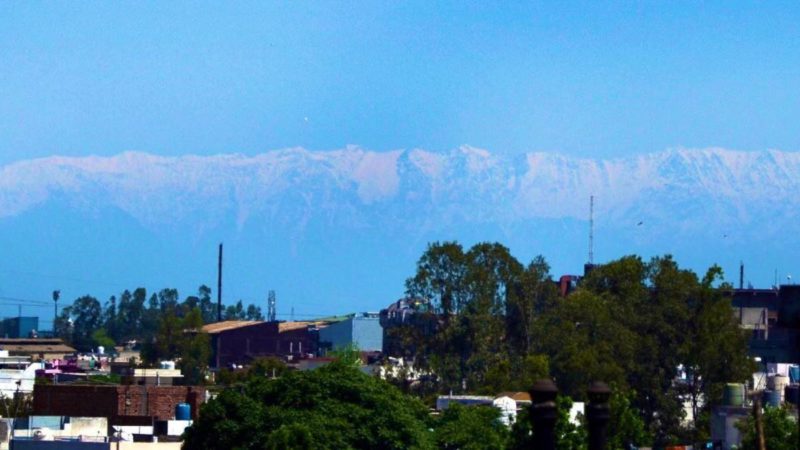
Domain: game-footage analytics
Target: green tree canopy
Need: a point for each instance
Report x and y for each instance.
(333, 407)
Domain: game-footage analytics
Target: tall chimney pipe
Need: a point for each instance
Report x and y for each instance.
(219, 285)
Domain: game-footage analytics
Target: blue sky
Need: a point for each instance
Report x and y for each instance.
(588, 79)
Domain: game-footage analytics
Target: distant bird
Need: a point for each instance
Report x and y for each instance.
(724, 235)
(639, 224)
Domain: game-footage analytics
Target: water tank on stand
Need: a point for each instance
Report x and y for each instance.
(183, 411)
(734, 394)
(772, 399)
(778, 383)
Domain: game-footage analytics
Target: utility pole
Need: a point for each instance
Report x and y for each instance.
(56, 296)
(271, 306)
(219, 285)
(591, 229)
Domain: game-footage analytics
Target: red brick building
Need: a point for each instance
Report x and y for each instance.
(115, 401)
(239, 341)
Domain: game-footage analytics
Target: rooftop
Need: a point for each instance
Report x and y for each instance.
(35, 346)
(219, 327)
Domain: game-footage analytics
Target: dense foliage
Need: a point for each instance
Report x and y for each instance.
(471, 428)
(780, 430)
(134, 317)
(334, 407)
(629, 323)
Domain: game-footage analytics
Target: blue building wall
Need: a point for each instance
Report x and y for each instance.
(18, 327)
(363, 330)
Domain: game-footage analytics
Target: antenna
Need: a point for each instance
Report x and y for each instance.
(291, 316)
(219, 285)
(591, 229)
(271, 311)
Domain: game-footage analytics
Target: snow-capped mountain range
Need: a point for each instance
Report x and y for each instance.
(340, 214)
(686, 187)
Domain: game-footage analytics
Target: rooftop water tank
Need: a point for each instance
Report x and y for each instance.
(733, 394)
(183, 411)
(772, 399)
(778, 383)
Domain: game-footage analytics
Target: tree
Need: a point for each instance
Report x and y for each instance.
(235, 312)
(569, 436)
(626, 427)
(780, 430)
(87, 315)
(586, 342)
(101, 339)
(471, 428)
(207, 308)
(336, 406)
(195, 347)
(254, 313)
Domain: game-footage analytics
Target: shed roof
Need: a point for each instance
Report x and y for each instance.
(520, 396)
(219, 327)
(225, 325)
(35, 346)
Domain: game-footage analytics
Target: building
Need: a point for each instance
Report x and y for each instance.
(36, 349)
(239, 342)
(114, 401)
(772, 317)
(19, 327)
(404, 323)
(363, 331)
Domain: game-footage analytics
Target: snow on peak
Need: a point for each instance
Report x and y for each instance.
(466, 184)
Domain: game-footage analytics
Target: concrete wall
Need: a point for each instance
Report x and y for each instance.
(368, 334)
(149, 446)
(17, 444)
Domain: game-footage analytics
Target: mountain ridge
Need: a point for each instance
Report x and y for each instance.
(467, 184)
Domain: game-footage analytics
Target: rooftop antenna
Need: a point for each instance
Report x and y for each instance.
(271, 311)
(591, 229)
(291, 316)
(219, 285)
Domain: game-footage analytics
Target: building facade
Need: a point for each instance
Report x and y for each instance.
(235, 342)
(363, 331)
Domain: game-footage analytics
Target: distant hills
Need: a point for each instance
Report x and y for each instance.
(339, 216)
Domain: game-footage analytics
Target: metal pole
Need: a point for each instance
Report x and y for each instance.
(219, 285)
(544, 414)
(598, 414)
(759, 422)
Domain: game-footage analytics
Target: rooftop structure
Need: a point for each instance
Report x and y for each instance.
(239, 342)
(363, 331)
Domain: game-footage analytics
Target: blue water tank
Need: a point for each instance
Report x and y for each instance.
(183, 411)
(772, 399)
(794, 374)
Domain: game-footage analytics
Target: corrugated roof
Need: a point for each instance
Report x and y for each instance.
(65, 349)
(219, 327)
(35, 346)
(519, 396)
(214, 328)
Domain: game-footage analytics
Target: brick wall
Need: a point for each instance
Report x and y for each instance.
(113, 401)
